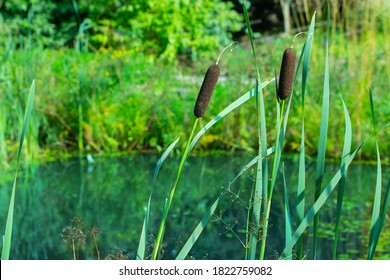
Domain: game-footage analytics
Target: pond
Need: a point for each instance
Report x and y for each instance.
(111, 194)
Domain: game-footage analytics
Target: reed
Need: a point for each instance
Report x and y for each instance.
(209, 82)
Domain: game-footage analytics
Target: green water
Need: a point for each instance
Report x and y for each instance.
(111, 194)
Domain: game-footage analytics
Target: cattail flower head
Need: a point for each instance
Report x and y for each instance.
(209, 82)
(287, 71)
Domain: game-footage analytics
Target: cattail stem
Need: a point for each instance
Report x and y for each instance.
(96, 246)
(160, 235)
(230, 46)
(292, 42)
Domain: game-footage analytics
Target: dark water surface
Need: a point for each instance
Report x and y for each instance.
(111, 194)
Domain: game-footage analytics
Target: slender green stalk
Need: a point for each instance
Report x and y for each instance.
(160, 235)
(144, 233)
(261, 185)
(275, 167)
(257, 202)
(80, 122)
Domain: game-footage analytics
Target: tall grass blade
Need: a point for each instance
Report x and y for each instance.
(161, 231)
(375, 230)
(250, 35)
(261, 185)
(300, 207)
(198, 230)
(202, 224)
(325, 194)
(10, 218)
(340, 192)
(322, 140)
(144, 233)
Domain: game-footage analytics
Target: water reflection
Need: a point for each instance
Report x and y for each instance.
(111, 193)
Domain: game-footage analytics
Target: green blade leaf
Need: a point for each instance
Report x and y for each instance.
(143, 238)
(322, 140)
(202, 224)
(324, 196)
(375, 230)
(10, 218)
(300, 207)
(340, 193)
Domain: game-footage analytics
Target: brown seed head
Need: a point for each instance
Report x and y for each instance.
(287, 71)
(209, 82)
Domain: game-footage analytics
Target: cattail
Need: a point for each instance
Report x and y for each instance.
(287, 72)
(208, 85)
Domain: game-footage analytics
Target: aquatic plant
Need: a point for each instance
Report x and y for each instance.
(259, 206)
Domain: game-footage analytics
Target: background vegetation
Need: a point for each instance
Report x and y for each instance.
(115, 76)
(123, 77)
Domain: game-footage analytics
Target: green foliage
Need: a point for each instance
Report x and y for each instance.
(114, 85)
(29, 20)
(167, 29)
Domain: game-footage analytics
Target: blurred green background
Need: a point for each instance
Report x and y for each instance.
(123, 76)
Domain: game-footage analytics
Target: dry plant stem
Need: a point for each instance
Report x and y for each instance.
(96, 246)
(160, 235)
(267, 206)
